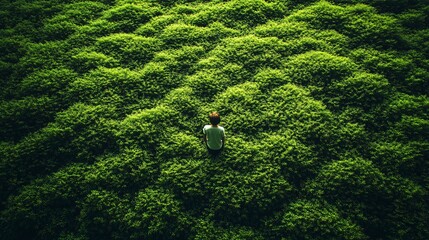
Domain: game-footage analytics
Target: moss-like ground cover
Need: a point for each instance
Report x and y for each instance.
(325, 106)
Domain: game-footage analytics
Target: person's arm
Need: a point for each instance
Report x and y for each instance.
(204, 136)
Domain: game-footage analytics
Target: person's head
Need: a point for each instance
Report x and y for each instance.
(214, 118)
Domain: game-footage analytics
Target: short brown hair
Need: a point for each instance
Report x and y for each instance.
(214, 118)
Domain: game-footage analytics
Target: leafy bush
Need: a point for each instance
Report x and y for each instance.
(187, 178)
(79, 13)
(290, 107)
(85, 61)
(184, 102)
(414, 18)
(46, 205)
(360, 27)
(155, 214)
(208, 230)
(203, 82)
(145, 129)
(285, 30)
(314, 220)
(87, 35)
(21, 117)
(129, 49)
(240, 107)
(180, 61)
(102, 213)
(335, 182)
(297, 32)
(176, 35)
(130, 170)
(357, 174)
(269, 79)
(251, 52)
(107, 86)
(47, 82)
(321, 15)
(156, 25)
(130, 16)
(297, 161)
(81, 132)
(397, 158)
(238, 13)
(255, 192)
(394, 67)
(47, 55)
(180, 146)
(355, 21)
(58, 31)
(361, 90)
(325, 68)
(324, 104)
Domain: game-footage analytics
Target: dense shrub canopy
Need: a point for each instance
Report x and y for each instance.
(325, 105)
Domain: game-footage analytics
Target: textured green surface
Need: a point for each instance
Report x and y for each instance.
(325, 106)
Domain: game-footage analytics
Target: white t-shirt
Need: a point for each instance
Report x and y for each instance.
(214, 136)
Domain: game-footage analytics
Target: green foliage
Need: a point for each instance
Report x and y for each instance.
(325, 106)
(47, 55)
(187, 178)
(58, 31)
(128, 16)
(178, 35)
(179, 146)
(81, 132)
(155, 214)
(183, 101)
(351, 179)
(46, 205)
(282, 113)
(80, 12)
(110, 86)
(361, 90)
(395, 68)
(300, 37)
(269, 79)
(21, 117)
(359, 22)
(46, 82)
(156, 25)
(360, 26)
(85, 61)
(318, 68)
(297, 161)
(251, 52)
(254, 193)
(132, 169)
(145, 129)
(314, 220)
(180, 61)
(238, 13)
(102, 214)
(240, 107)
(207, 230)
(399, 158)
(129, 49)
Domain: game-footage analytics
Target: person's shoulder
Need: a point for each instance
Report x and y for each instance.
(223, 129)
(206, 126)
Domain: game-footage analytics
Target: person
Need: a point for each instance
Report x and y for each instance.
(214, 135)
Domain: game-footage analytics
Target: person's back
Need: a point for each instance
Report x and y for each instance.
(214, 135)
